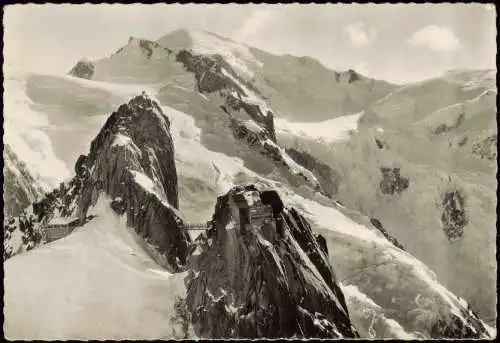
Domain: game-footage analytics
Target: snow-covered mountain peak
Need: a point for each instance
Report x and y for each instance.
(140, 48)
(297, 87)
(208, 43)
(178, 39)
(189, 38)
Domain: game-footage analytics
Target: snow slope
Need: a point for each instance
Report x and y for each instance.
(328, 131)
(371, 318)
(207, 43)
(97, 283)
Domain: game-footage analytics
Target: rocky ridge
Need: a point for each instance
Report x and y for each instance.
(132, 162)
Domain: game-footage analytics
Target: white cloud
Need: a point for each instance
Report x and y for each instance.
(359, 34)
(437, 38)
(253, 24)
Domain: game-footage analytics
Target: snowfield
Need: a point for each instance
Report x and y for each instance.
(370, 318)
(96, 283)
(237, 55)
(328, 131)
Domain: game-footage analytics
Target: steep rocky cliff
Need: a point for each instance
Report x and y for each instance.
(486, 148)
(19, 186)
(132, 162)
(259, 271)
(328, 178)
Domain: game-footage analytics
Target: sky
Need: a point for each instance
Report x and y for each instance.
(395, 42)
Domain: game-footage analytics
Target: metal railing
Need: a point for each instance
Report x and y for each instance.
(195, 227)
(53, 232)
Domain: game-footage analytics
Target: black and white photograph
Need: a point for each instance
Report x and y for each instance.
(249, 171)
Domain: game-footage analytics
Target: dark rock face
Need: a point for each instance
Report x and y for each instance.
(142, 123)
(135, 144)
(392, 182)
(256, 140)
(378, 225)
(353, 76)
(119, 206)
(241, 132)
(337, 76)
(259, 272)
(463, 141)
(454, 217)
(442, 128)
(230, 70)
(380, 145)
(210, 78)
(147, 46)
(327, 177)
(322, 243)
(80, 165)
(83, 69)
(454, 328)
(31, 237)
(487, 148)
(266, 120)
(208, 73)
